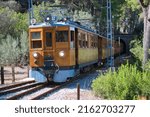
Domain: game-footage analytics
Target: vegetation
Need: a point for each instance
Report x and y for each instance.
(145, 5)
(127, 83)
(146, 36)
(137, 52)
(14, 53)
(13, 33)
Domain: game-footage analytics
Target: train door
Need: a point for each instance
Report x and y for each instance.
(72, 47)
(62, 46)
(49, 47)
(72, 37)
(49, 39)
(76, 47)
(99, 49)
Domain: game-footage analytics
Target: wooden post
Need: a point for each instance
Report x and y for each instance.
(78, 91)
(28, 68)
(2, 75)
(13, 72)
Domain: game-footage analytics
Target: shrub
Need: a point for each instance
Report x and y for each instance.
(137, 53)
(126, 83)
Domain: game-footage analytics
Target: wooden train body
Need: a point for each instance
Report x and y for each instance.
(60, 50)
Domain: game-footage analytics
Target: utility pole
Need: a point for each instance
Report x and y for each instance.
(110, 57)
(30, 9)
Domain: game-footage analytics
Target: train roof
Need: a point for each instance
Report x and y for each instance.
(68, 22)
(62, 23)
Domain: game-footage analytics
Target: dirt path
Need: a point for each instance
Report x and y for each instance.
(20, 74)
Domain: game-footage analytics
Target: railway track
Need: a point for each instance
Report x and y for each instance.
(11, 90)
(5, 87)
(32, 90)
(16, 90)
(28, 91)
(44, 91)
(55, 88)
(50, 90)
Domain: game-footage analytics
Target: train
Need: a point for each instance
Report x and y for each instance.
(60, 50)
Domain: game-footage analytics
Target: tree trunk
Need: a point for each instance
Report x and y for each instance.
(13, 72)
(146, 38)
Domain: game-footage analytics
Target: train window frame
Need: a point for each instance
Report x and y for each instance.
(92, 42)
(83, 38)
(37, 32)
(36, 46)
(84, 44)
(51, 40)
(60, 39)
(72, 34)
(36, 43)
(80, 43)
(86, 40)
(80, 40)
(72, 39)
(87, 43)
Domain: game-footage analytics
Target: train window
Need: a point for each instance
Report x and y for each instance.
(61, 36)
(72, 35)
(87, 44)
(35, 35)
(94, 45)
(36, 44)
(84, 44)
(80, 43)
(79, 36)
(92, 41)
(72, 39)
(48, 39)
(83, 37)
(91, 44)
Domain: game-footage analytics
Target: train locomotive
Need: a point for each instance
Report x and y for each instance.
(60, 50)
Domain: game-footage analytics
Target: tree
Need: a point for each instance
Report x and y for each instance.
(9, 53)
(24, 49)
(12, 4)
(145, 4)
(14, 51)
(13, 23)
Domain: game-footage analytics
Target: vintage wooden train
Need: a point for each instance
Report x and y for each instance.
(59, 50)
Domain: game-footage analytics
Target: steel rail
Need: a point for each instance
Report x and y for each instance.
(26, 92)
(22, 87)
(46, 92)
(5, 87)
(54, 89)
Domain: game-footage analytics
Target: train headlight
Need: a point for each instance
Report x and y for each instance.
(61, 53)
(35, 55)
(48, 18)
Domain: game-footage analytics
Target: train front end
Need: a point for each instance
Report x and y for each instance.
(52, 53)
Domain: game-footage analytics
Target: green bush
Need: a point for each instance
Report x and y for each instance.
(125, 84)
(137, 53)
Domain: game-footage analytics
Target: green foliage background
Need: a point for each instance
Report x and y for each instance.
(125, 84)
